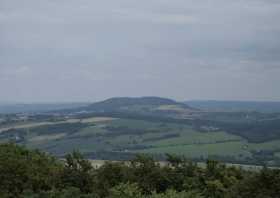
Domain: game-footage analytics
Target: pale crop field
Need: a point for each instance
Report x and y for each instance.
(37, 124)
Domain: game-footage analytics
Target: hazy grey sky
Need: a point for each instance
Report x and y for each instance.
(88, 50)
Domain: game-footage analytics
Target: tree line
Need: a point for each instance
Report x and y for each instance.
(28, 173)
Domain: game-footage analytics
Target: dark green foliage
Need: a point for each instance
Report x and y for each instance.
(125, 190)
(33, 174)
(78, 173)
(22, 169)
(264, 184)
(110, 175)
(147, 173)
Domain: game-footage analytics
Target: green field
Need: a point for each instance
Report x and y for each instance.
(130, 136)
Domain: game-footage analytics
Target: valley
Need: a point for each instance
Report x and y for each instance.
(118, 129)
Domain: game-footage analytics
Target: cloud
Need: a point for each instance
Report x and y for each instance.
(181, 49)
(160, 18)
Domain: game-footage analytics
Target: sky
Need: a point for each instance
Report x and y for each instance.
(89, 50)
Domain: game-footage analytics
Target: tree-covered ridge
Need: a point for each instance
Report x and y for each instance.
(33, 174)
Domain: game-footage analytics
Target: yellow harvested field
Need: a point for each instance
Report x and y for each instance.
(29, 125)
(171, 108)
(98, 119)
(47, 137)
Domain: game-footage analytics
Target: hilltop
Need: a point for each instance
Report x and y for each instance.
(138, 105)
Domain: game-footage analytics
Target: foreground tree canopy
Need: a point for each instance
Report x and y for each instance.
(33, 174)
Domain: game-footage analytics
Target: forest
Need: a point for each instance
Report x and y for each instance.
(26, 173)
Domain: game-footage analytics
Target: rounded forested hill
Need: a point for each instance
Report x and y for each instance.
(114, 104)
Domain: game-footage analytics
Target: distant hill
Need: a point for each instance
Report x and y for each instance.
(214, 105)
(137, 105)
(118, 103)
